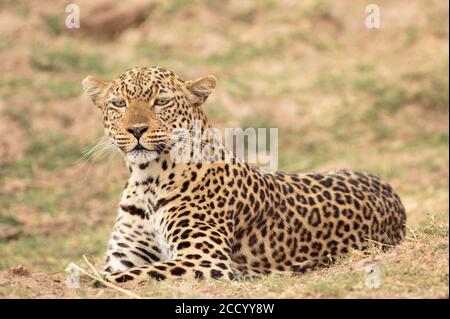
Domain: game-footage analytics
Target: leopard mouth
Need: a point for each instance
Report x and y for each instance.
(139, 147)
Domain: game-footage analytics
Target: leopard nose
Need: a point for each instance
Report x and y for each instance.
(137, 131)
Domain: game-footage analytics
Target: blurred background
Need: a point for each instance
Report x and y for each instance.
(341, 95)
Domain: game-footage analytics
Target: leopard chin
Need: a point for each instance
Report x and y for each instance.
(141, 156)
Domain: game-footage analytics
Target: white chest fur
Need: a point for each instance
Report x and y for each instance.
(144, 195)
(155, 226)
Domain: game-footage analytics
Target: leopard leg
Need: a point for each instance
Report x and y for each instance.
(130, 245)
(204, 253)
(182, 267)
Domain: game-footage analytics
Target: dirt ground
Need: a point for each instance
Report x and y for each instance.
(341, 95)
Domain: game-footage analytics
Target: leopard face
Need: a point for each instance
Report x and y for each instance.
(144, 105)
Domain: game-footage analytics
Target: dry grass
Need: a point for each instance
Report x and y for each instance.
(339, 95)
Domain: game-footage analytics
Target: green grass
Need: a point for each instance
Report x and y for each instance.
(9, 87)
(5, 43)
(60, 89)
(53, 151)
(216, 111)
(42, 199)
(66, 59)
(431, 90)
(84, 239)
(329, 80)
(53, 23)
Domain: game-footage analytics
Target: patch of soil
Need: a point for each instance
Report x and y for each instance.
(106, 19)
(19, 282)
(84, 119)
(10, 24)
(15, 62)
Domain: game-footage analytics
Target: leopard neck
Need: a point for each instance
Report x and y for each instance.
(159, 168)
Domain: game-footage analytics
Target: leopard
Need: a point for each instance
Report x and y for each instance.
(223, 218)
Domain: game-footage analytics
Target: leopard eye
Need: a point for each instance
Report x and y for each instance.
(119, 103)
(161, 102)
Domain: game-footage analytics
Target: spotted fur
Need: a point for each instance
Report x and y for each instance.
(223, 219)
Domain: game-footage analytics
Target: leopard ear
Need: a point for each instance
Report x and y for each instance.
(200, 89)
(94, 88)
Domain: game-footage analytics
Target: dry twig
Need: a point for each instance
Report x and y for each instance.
(98, 277)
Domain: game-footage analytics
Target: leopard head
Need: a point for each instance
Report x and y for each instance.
(144, 105)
